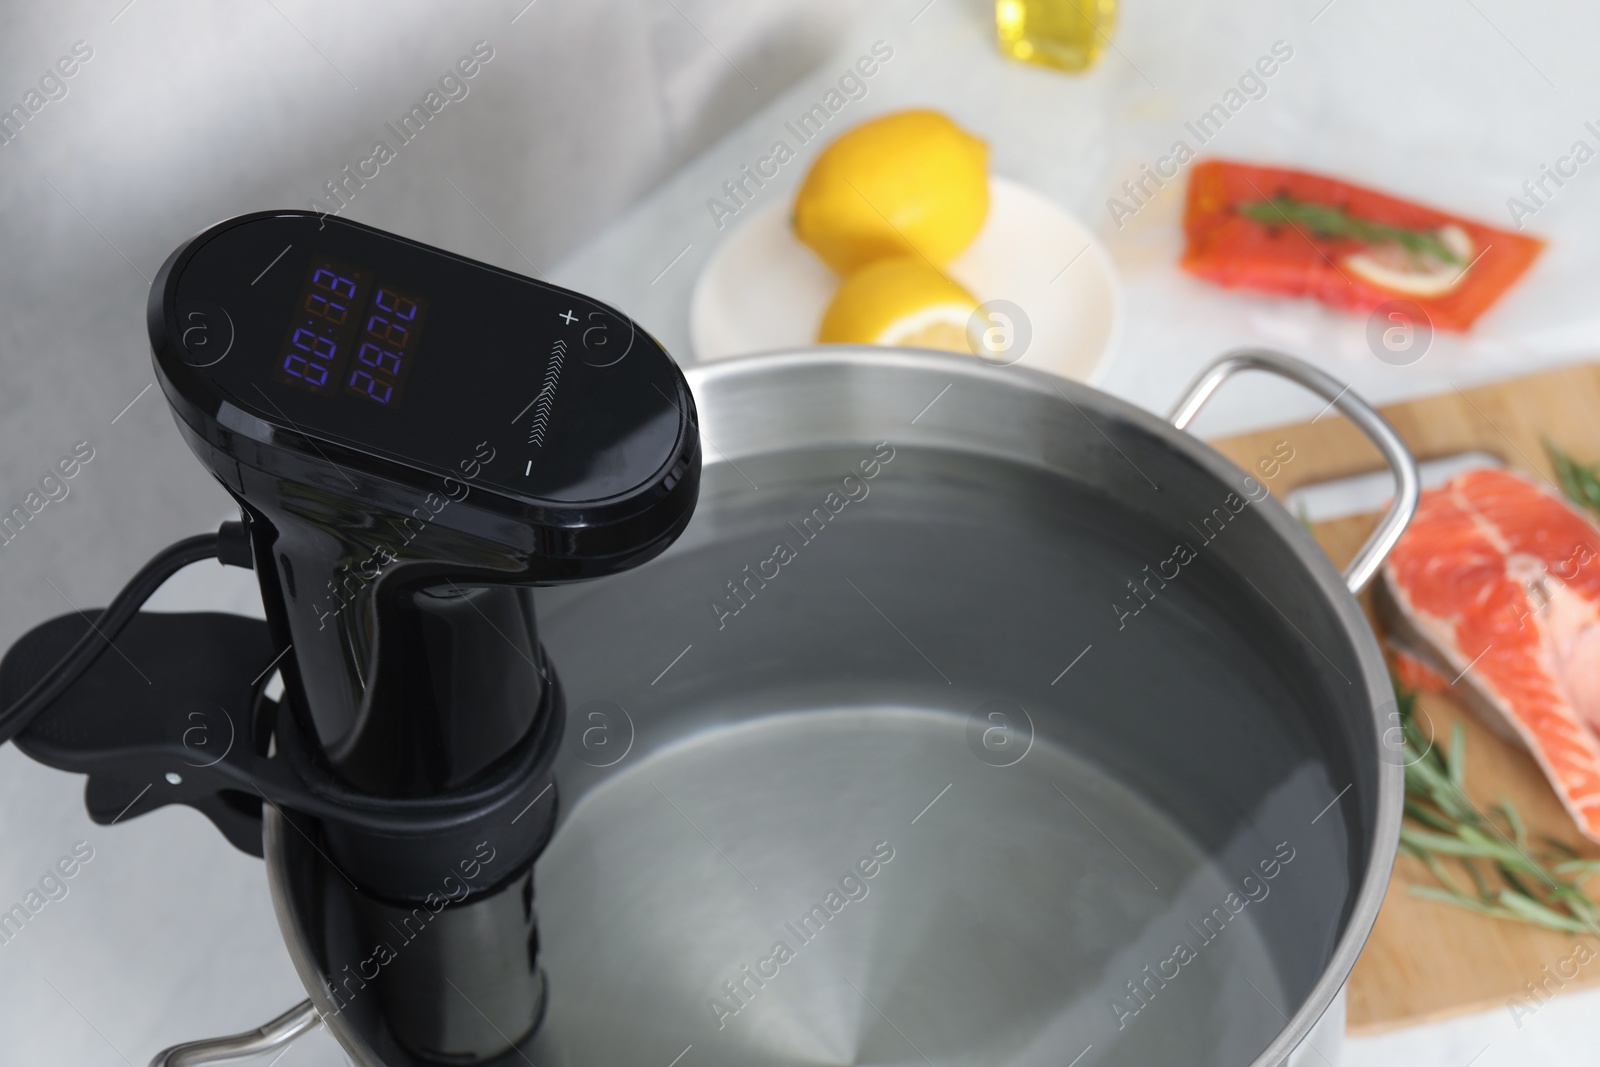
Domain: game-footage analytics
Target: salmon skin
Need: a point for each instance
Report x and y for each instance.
(1497, 582)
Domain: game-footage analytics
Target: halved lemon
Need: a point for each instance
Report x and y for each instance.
(908, 182)
(903, 301)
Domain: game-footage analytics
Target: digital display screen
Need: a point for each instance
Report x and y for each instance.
(390, 327)
(389, 349)
(349, 333)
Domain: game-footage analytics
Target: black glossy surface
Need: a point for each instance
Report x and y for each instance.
(539, 437)
(577, 403)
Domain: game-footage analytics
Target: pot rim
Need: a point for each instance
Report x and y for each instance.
(1390, 776)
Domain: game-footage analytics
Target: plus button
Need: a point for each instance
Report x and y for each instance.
(569, 316)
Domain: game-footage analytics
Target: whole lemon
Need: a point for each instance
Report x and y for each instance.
(902, 300)
(909, 182)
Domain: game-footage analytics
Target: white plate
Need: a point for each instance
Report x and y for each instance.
(762, 290)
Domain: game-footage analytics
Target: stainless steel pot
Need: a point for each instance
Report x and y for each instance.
(977, 718)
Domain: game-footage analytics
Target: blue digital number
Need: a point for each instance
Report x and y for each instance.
(319, 347)
(362, 380)
(299, 367)
(373, 356)
(400, 307)
(390, 332)
(336, 284)
(332, 310)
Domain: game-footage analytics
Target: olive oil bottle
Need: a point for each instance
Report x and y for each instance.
(1065, 34)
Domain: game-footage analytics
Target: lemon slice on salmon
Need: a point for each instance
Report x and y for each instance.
(903, 301)
(1402, 270)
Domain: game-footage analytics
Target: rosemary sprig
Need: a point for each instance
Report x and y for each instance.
(1540, 883)
(1581, 482)
(1327, 221)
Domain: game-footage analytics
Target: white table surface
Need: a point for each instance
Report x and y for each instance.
(1424, 99)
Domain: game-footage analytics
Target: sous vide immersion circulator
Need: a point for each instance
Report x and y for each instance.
(414, 439)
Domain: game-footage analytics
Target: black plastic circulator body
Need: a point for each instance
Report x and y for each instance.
(518, 434)
(413, 440)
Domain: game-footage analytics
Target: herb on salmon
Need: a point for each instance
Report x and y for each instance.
(1329, 222)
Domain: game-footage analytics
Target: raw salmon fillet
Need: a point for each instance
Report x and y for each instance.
(1499, 579)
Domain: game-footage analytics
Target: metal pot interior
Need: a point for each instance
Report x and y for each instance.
(926, 789)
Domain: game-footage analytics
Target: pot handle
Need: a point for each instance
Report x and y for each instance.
(279, 1032)
(1408, 482)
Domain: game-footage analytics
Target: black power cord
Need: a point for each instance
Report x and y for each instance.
(230, 545)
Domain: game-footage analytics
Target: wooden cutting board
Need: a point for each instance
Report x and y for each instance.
(1426, 960)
